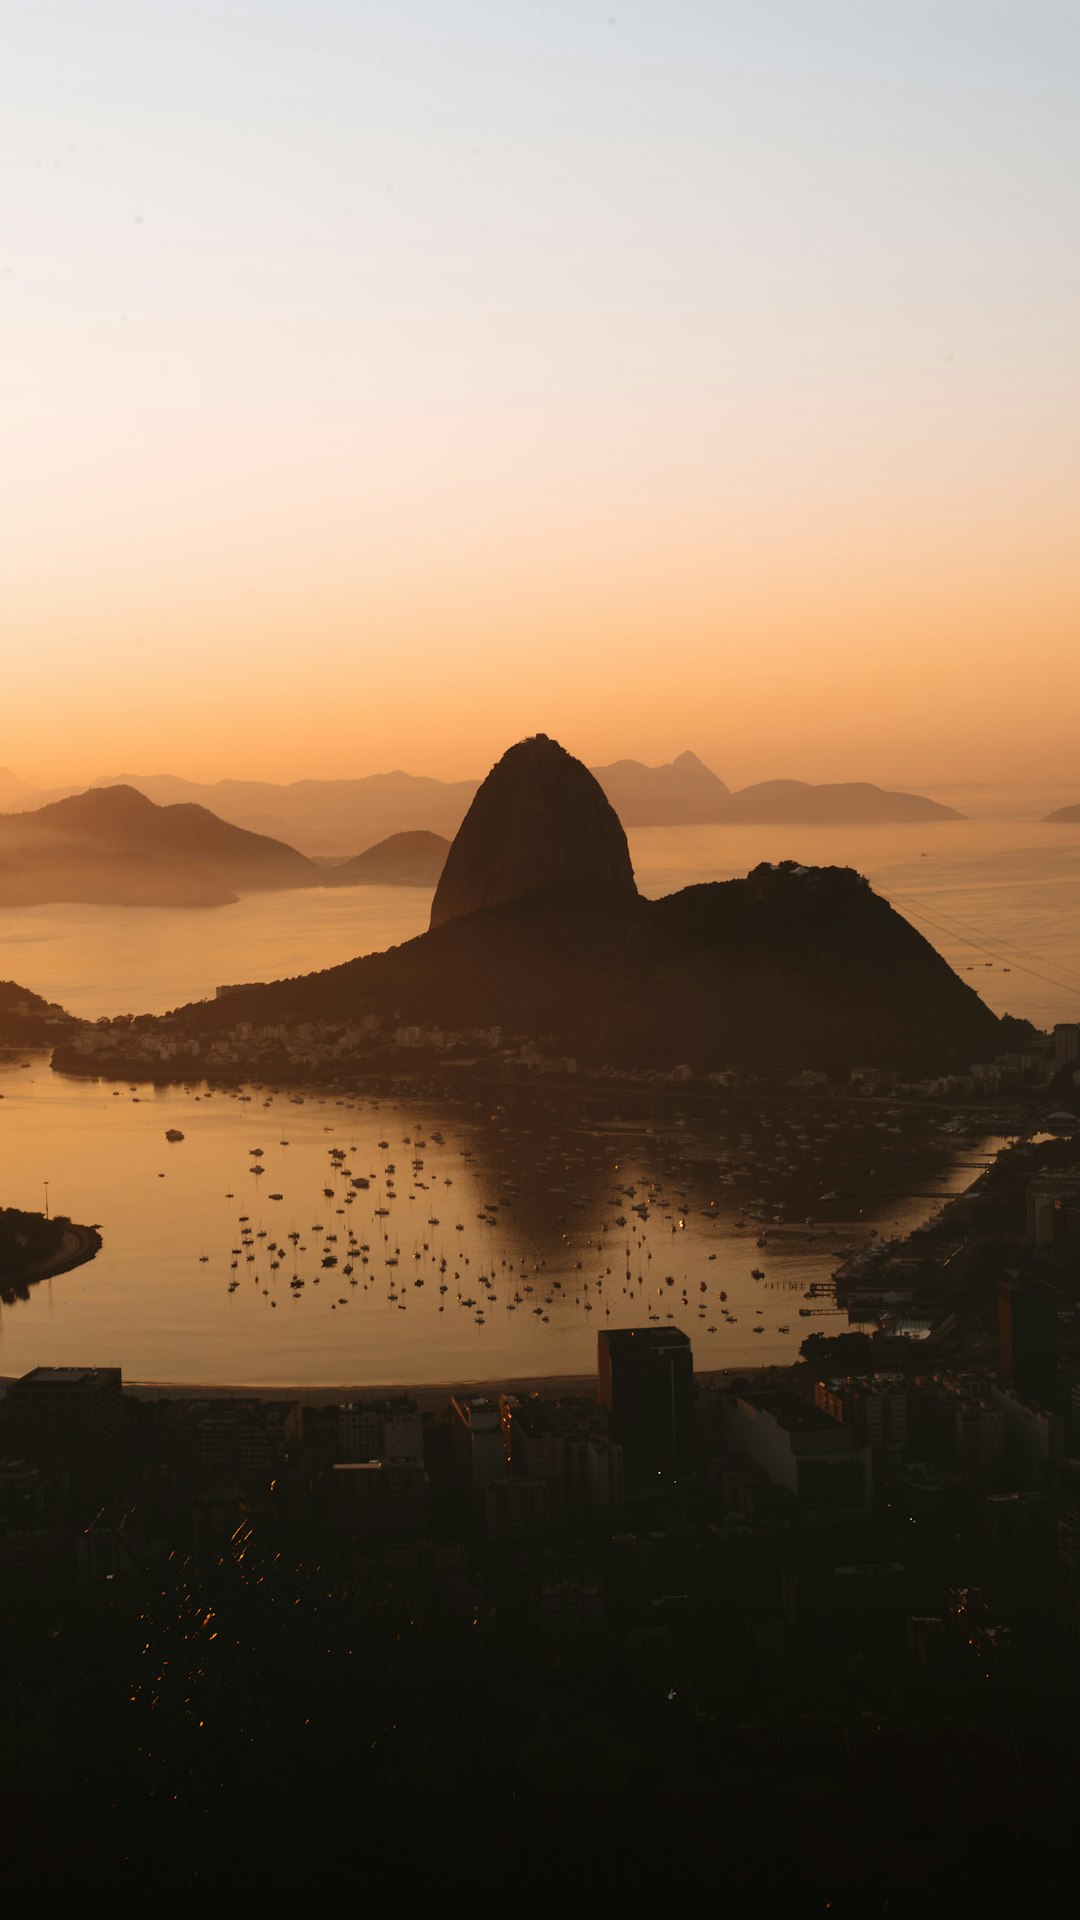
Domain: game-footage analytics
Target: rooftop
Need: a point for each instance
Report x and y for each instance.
(790, 1410)
(68, 1376)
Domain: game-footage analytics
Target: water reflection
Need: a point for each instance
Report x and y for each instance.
(308, 1238)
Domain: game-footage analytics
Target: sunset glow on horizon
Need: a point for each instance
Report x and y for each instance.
(381, 385)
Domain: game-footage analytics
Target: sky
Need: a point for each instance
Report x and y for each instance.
(383, 380)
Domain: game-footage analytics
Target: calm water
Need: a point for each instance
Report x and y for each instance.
(496, 1251)
(528, 1283)
(1001, 898)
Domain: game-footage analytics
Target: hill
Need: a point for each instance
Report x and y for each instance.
(335, 816)
(848, 803)
(325, 816)
(1063, 817)
(402, 860)
(113, 846)
(789, 967)
(27, 1020)
(683, 794)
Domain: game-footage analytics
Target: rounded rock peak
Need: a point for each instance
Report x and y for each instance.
(539, 822)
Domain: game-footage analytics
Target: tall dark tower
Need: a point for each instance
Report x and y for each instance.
(72, 1413)
(1027, 1338)
(646, 1382)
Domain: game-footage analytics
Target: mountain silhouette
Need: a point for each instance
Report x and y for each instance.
(539, 929)
(336, 816)
(846, 803)
(685, 793)
(402, 860)
(540, 821)
(112, 845)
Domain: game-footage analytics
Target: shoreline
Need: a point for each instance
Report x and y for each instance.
(431, 1396)
(81, 1244)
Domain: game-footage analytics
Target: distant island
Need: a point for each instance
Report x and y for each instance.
(688, 793)
(113, 846)
(1063, 817)
(537, 929)
(338, 817)
(401, 860)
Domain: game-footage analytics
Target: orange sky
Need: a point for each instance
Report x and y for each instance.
(375, 394)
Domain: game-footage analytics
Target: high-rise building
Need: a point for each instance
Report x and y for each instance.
(979, 1428)
(243, 1443)
(1066, 1042)
(646, 1382)
(804, 1450)
(74, 1413)
(479, 1451)
(568, 1442)
(519, 1509)
(1027, 1338)
(1053, 1209)
(381, 1430)
(379, 1499)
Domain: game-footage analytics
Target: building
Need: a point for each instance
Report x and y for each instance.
(979, 1431)
(243, 1443)
(803, 1450)
(32, 1539)
(109, 1562)
(1034, 1436)
(1053, 1209)
(874, 1406)
(1068, 1571)
(519, 1509)
(567, 1442)
(646, 1383)
(847, 1605)
(570, 1609)
(380, 1430)
(1027, 1338)
(74, 1413)
(1066, 1043)
(1020, 1527)
(379, 1499)
(476, 1439)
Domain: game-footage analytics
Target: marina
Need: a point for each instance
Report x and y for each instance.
(384, 1239)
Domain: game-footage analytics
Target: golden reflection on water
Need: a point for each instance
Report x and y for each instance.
(522, 1208)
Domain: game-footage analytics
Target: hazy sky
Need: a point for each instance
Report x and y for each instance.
(384, 379)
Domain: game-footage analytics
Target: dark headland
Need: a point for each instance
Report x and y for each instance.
(537, 927)
(34, 1247)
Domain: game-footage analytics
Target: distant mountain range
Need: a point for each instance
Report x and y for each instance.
(338, 816)
(114, 846)
(537, 926)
